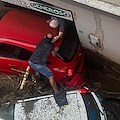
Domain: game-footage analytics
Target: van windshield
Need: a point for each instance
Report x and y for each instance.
(69, 46)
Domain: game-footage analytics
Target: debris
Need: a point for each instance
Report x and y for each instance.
(9, 77)
(25, 77)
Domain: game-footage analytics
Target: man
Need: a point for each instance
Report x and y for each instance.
(59, 23)
(39, 58)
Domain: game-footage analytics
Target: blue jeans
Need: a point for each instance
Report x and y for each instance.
(42, 69)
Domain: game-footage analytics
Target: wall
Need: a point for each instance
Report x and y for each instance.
(100, 24)
(116, 2)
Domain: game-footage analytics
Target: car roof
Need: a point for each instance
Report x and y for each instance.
(25, 25)
(45, 108)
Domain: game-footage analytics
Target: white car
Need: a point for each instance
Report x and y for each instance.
(83, 105)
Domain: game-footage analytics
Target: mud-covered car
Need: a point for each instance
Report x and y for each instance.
(20, 32)
(82, 105)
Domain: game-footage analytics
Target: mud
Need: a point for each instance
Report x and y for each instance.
(103, 77)
(101, 73)
(10, 88)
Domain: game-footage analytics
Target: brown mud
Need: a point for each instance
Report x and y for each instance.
(10, 88)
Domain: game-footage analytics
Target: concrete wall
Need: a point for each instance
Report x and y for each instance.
(116, 2)
(105, 27)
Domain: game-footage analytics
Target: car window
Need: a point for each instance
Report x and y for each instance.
(3, 12)
(69, 45)
(24, 54)
(9, 51)
(14, 52)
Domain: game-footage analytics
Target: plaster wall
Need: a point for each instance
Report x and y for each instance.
(104, 27)
(116, 2)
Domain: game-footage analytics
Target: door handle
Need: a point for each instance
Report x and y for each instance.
(16, 70)
(12, 65)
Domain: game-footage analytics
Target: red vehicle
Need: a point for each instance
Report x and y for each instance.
(21, 30)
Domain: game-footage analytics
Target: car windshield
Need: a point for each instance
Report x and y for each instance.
(3, 12)
(69, 45)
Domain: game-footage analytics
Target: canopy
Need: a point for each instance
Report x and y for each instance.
(42, 7)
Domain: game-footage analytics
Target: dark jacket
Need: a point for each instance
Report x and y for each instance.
(41, 52)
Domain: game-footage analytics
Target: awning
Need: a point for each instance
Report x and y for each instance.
(44, 8)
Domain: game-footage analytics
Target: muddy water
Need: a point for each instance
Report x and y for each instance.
(103, 77)
(101, 73)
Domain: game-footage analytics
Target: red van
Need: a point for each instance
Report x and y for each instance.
(21, 30)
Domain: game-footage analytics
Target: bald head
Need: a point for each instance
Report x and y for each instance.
(49, 36)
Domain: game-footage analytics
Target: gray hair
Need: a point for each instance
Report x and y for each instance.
(54, 23)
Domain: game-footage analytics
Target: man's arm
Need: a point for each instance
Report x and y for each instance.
(61, 30)
(59, 36)
(54, 51)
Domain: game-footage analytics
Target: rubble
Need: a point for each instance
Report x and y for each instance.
(10, 88)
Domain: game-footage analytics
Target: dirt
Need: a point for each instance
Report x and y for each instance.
(10, 88)
(101, 73)
(103, 77)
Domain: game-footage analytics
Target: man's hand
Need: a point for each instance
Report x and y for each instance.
(57, 37)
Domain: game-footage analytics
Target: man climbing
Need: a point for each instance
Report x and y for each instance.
(39, 58)
(38, 62)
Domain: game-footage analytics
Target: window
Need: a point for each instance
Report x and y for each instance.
(14, 52)
(24, 54)
(69, 45)
(3, 12)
